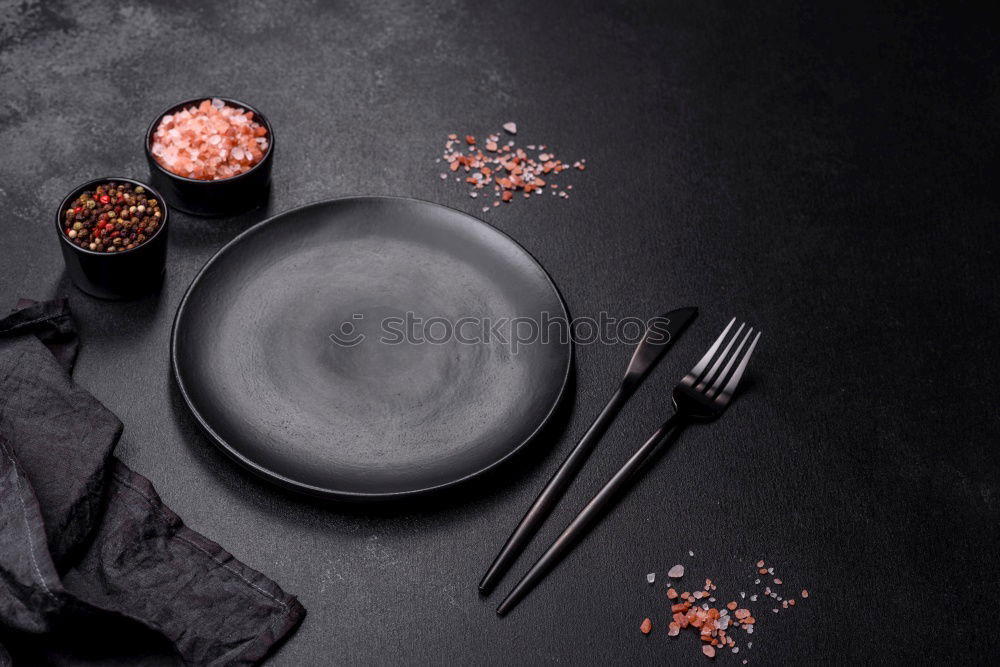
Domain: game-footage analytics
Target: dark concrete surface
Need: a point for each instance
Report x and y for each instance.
(825, 171)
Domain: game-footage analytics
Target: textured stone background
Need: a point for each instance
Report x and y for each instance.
(826, 171)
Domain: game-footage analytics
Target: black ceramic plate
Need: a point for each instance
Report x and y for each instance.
(265, 349)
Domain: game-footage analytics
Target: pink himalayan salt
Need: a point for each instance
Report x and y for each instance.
(209, 142)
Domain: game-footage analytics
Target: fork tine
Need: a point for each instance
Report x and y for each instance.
(727, 393)
(700, 367)
(732, 360)
(718, 362)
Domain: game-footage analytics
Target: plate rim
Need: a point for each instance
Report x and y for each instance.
(311, 489)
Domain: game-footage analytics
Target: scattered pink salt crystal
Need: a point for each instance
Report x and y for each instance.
(510, 127)
(708, 650)
(676, 572)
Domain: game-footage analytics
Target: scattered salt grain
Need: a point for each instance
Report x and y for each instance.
(690, 553)
(716, 627)
(510, 128)
(507, 169)
(651, 577)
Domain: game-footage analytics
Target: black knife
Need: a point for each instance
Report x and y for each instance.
(660, 332)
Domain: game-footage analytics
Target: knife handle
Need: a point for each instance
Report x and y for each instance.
(554, 490)
(579, 526)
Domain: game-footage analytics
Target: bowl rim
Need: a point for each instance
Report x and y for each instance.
(75, 192)
(258, 116)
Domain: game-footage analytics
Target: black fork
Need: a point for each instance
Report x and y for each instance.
(701, 395)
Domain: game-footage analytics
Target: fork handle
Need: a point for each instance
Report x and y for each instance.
(579, 526)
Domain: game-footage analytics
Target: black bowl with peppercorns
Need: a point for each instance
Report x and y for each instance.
(211, 156)
(113, 235)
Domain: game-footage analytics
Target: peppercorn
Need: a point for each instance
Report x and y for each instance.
(112, 218)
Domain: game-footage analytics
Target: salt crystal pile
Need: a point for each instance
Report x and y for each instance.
(209, 142)
(718, 627)
(504, 167)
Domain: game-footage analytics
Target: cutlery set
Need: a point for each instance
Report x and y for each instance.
(702, 395)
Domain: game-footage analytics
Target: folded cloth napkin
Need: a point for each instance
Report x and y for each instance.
(84, 540)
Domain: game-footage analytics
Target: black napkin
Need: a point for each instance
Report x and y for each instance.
(86, 542)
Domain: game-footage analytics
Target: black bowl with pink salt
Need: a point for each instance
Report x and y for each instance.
(211, 156)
